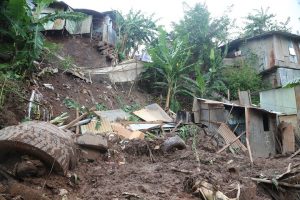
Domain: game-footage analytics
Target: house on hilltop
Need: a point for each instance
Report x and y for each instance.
(275, 54)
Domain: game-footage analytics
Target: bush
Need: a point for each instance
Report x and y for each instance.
(241, 78)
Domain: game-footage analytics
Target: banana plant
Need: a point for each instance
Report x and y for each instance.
(170, 62)
(134, 29)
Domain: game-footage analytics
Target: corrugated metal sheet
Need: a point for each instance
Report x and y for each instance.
(79, 27)
(280, 100)
(91, 127)
(229, 136)
(287, 75)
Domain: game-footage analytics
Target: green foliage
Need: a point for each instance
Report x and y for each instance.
(188, 131)
(67, 63)
(70, 103)
(134, 29)
(204, 33)
(100, 106)
(260, 21)
(241, 78)
(20, 33)
(170, 66)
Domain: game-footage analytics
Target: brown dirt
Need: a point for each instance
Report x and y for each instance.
(81, 49)
(127, 169)
(68, 86)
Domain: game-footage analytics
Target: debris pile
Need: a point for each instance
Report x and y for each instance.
(107, 50)
(149, 143)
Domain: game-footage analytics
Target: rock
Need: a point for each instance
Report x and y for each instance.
(171, 143)
(63, 192)
(93, 141)
(89, 154)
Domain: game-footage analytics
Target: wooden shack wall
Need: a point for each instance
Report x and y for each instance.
(262, 141)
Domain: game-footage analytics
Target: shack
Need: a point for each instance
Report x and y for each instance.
(259, 124)
(275, 54)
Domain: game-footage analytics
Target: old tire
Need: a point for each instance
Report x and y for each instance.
(45, 141)
(172, 143)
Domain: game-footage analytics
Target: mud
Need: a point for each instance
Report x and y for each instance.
(127, 170)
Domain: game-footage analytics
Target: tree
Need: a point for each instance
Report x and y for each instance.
(170, 58)
(204, 33)
(134, 29)
(261, 21)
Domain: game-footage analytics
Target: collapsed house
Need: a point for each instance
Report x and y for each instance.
(231, 120)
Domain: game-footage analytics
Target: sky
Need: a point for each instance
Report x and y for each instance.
(168, 11)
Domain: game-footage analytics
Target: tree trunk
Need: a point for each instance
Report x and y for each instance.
(167, 107)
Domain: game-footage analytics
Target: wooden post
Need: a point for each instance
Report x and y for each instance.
(247, 120)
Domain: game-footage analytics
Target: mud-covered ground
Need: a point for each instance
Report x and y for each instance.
(127, 171)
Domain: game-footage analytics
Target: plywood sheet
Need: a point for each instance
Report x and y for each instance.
(125, 133)
(288, 138)
(229, 136)
(152, 113)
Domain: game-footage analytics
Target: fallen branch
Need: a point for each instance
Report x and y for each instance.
(150, 153)
(78, 118)
(175, 128)
(181, 170)
(77, 127)
(227, 145)
(294, 154)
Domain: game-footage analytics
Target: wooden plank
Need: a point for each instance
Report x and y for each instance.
(152, 113)
(244, 98)
(229, 137)
(288, 138)
(249, 151)
(196, 110)
(125, 133)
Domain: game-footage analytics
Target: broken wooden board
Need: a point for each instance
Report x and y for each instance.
(229, 137)
(288, 137)
(105, 127)
(113, 115)
(123, 132)
(152, 113)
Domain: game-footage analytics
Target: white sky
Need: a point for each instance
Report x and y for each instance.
(172, 10)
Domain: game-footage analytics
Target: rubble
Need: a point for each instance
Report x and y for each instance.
(92, 141)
